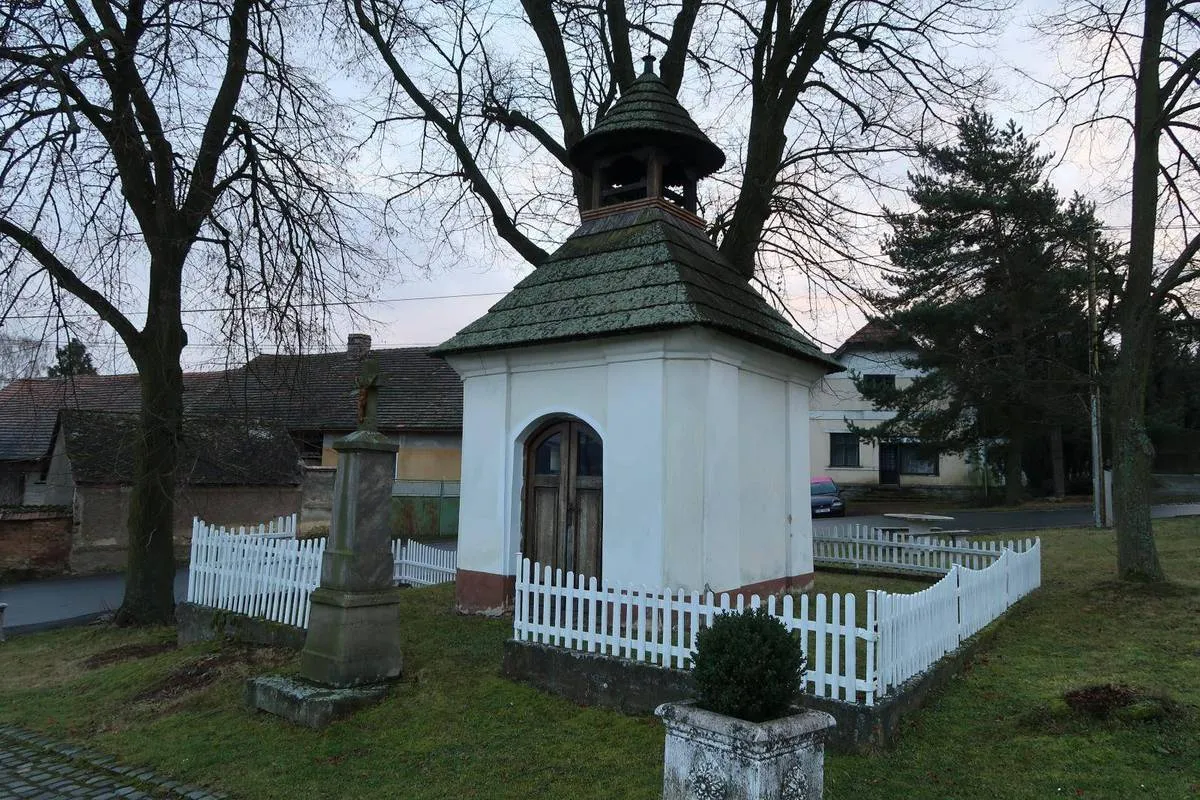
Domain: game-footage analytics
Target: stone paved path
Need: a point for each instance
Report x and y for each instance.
(38, 768)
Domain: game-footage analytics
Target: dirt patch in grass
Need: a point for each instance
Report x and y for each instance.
(1100, 700)
(186, 678)
(1104, 706)
(231, 662)
(126, 652)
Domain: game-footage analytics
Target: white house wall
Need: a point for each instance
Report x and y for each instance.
(836, 400)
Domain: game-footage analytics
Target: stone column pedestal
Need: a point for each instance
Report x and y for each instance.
(354, 624)
(709, 755)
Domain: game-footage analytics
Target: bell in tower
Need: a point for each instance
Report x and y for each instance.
(645, 148)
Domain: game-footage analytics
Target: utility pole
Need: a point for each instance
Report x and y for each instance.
(1098, 506)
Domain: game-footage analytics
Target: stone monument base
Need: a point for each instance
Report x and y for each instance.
(306, 703)
(353, 638)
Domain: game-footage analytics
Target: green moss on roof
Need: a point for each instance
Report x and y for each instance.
(631, 272)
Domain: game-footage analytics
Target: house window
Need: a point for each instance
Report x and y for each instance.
(309, 444)
(916, 459)
(879, 381)
(843, 450)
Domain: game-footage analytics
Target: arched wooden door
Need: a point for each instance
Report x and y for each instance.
(564, 493)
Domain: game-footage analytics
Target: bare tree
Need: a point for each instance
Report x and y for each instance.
(817, 97)
(168, 154)
(1140, 89)
(21, 357)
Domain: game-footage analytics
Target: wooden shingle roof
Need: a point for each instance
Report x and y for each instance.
(647, 113)
(632, 271)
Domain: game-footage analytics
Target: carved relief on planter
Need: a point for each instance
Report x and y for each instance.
(709, 756)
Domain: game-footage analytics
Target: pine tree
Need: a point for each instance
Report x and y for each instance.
(989, 283)
(72, 359)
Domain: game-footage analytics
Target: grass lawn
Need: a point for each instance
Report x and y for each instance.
(453, 728)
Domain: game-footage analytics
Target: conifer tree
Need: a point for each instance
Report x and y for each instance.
(989, 284)
(72, 359)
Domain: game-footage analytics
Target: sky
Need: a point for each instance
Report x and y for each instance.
(426, 306)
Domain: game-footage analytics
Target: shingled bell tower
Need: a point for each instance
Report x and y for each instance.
(646, 149)
(633, 409)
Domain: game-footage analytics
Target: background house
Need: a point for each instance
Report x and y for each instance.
(313, 397)
(29, 411)
(876, 351)
(230, 472)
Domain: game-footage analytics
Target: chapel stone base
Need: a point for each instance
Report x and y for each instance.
(305, 703)
(352, 638)
(789, 583)
(483, 592)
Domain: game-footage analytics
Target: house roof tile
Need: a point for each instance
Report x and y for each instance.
(316, 392)
(214, 450)
(29, 408)
(313, 392)
(876, 334)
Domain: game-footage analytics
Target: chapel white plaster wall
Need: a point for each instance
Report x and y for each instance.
(701, 439)
(722, 479)
(686, 506)
(484, 486)
(763, 454)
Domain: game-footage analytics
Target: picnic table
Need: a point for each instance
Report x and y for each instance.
(921, 527)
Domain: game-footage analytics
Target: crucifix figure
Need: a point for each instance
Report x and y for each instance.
(368, 396)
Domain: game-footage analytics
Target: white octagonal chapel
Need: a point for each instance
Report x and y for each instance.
(633, 409)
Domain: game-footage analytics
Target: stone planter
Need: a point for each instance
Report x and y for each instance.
(710, 756)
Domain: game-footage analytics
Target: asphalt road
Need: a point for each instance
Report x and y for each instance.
(983, 520)
(39, 605)
(58, 602)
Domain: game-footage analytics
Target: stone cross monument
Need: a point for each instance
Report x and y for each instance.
(353, 642)
(354, 625)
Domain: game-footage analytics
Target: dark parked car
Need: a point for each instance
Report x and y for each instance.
(826, 498)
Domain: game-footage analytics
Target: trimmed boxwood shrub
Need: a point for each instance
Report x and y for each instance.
(748, 666)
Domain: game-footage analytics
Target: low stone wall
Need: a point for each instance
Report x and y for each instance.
(34, 542)
(636, 689)
(203, 624)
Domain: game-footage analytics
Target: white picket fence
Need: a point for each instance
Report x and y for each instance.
(901, 635)
(421, 565)
(916, 630)
(257, 575)
(660, 626)
(898, 551)
(260, 572)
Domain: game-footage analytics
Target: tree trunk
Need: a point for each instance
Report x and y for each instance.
(1137, 556)
(150, 575)
(1013, 490)
(1057, 463)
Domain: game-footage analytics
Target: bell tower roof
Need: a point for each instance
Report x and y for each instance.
(648, 114)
